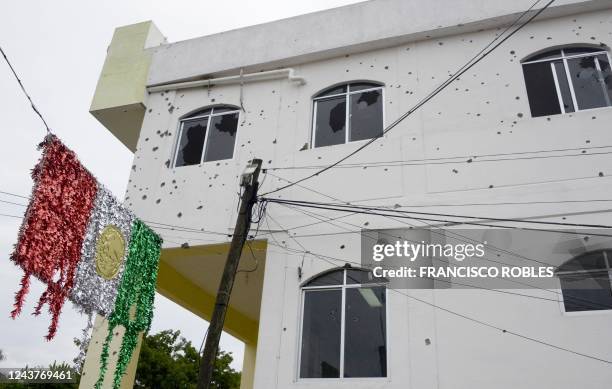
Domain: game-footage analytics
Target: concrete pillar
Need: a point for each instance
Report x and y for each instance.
(91, 367)
(248, 366)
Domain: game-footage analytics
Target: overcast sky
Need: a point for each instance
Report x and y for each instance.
(58, 48)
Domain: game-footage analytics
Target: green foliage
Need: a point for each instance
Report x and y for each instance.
(169, 361)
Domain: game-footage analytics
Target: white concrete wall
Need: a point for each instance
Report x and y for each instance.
(485, 112)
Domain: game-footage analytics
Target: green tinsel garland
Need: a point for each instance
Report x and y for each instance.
(137, 289)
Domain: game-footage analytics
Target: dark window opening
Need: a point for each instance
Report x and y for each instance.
(347, 113)
(586, 282)
(344, 307)
(207, 135)
(568, 80)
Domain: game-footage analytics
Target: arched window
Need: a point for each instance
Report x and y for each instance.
(346, 113)
(207, 135)
(586, 282)
(343, 326)
(568, 80)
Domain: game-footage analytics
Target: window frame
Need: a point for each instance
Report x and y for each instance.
(304, 288)
(564, 58)
(574, 272)
(317, 97)
(210, 115)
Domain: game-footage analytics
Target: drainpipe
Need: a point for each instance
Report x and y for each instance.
(289, 73)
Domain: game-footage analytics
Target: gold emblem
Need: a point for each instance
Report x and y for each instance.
(110, 249)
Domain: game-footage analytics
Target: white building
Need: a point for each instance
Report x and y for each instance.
(523, 134)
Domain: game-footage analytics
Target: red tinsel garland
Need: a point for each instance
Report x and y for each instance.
(52, 233)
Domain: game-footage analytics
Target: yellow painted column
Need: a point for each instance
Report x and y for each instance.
(91, 367)
(248, 366)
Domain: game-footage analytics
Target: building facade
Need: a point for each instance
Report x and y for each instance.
(525, 133)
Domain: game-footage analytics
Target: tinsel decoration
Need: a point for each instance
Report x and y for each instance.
(84, 245)
(53, 228)
(92, 292)
(134, 303)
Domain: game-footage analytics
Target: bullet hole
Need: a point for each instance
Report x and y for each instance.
(180, 214)
(455, 171)
(601, 174)
(490, 186)
(144, 197)
(134, 167)
(588, 141)
(548, 119)
(185, 245)
(517, 97)
(583, 151)
(593, 117)
(512, 52)
(520, 114)
(469, 160)
(174, 181)
(386, 67)
(171, 109)
(342, 247)
(440, 43)
(200, 207)
(269, 161)
(347, 70)
(498, 132)
(427, 341)
(548, 38)
(155, 148)
(273, 91)
(157, 201)
(593, 38)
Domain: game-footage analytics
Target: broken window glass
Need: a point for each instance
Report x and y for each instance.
(330, 124)
(191, 142)
(365, 112)
(321, 334)
(364, 121)
(568, 80)
(207, 135)
(587, 83)
(222, 137)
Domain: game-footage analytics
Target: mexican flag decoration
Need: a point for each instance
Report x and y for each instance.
(79, 241)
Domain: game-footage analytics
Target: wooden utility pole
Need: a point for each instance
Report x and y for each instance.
(243, 223)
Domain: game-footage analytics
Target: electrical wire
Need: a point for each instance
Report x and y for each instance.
(27, 95)
(356, 208)
(461, 159)
(466, 317)
(471, 63)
